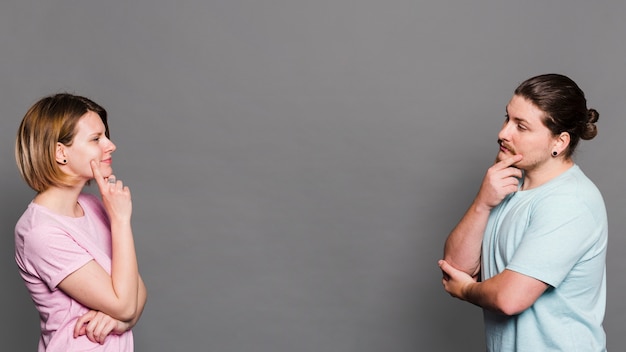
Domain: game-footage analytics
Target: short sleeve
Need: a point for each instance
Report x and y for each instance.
(52, 254)
(561, 232)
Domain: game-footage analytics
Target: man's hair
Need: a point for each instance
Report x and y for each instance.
(564, 105)
(49, 121)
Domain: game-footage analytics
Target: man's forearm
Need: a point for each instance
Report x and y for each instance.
(463, 246)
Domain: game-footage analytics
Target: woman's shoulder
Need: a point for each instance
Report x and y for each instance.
(89, 200)
(88, 197)
(92, 204)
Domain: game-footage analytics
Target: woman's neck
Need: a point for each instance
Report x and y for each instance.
(61, 200)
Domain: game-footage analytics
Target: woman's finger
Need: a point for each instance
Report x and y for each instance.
(82, 321)
(97, 175)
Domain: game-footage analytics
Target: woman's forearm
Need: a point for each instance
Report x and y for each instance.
(124, 269)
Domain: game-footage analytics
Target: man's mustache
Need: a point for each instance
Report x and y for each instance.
(508, 147)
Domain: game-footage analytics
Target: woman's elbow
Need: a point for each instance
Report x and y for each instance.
(125, 313)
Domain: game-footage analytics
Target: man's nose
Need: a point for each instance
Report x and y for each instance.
(504, 132)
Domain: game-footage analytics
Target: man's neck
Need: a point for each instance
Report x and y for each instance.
(538, 176)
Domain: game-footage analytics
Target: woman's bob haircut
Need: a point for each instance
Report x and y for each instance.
(49, 121)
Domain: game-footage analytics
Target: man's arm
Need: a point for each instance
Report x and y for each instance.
(463, 246)
(508, 293)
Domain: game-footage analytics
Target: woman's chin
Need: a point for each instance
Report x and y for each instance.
(106, 170)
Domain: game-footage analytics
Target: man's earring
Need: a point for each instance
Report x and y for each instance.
(554, 153)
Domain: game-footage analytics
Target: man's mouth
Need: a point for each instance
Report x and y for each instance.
(505, 148)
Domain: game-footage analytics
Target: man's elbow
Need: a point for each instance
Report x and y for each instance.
(510, 306)
(472, 269)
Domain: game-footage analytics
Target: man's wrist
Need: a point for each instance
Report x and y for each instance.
(467, 291)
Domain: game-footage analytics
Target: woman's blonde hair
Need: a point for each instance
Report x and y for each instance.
(49, 121)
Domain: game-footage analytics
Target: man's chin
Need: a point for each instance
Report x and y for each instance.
(501, 156)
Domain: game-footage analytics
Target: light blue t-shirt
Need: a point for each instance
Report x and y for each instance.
(556, 233)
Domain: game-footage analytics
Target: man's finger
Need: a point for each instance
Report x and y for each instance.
(443, 265)
(511, 172)
(504, 163)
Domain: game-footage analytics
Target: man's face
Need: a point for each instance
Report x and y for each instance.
(524, 133)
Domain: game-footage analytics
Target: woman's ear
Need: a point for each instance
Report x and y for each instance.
(60, 154)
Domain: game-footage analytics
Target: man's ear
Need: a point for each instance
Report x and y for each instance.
(562, 142)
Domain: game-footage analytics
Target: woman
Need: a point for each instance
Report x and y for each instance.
(75, 253)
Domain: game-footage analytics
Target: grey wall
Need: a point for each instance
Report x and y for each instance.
(297, 165)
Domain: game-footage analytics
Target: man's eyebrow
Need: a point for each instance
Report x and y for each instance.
(518, 119)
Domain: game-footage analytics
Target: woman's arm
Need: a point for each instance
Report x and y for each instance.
(97, 325)
(117, 294)
(142, 297)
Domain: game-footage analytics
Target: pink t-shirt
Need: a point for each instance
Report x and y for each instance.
(49, 247)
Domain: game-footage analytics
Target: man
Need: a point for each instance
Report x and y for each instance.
(531, 248)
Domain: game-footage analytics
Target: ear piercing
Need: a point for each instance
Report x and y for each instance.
(554, 153)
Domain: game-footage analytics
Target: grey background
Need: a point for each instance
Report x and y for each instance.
(297, 165)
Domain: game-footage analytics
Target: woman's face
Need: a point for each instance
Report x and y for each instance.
(90, 143)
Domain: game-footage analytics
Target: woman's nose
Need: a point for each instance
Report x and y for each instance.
(110, 146)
